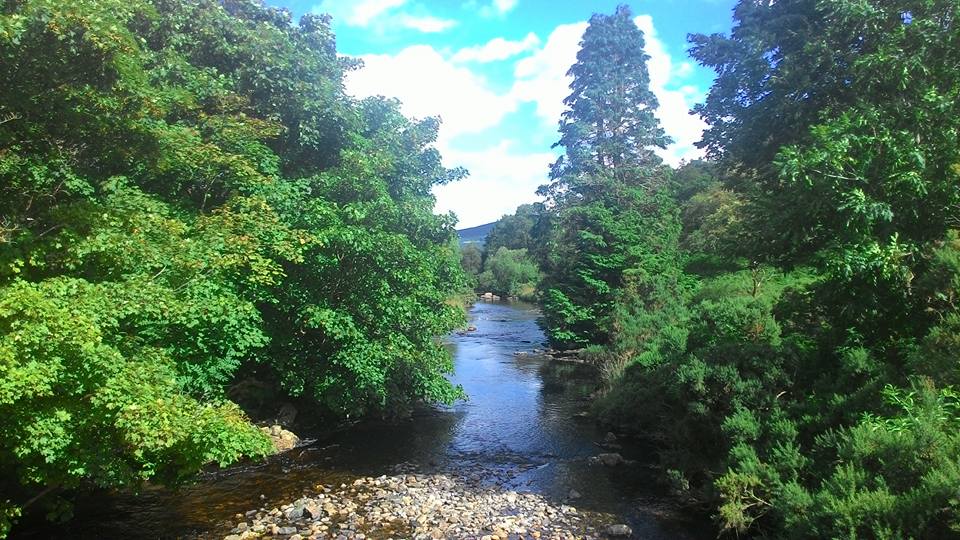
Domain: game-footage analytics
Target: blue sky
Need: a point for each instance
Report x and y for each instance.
(494, 71)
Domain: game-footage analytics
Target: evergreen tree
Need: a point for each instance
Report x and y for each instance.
(608, 216)
(609, 128)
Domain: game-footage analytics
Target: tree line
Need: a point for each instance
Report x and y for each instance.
(506, 265)
(188, 202)
(780, 319)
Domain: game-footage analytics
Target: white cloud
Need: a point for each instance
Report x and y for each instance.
(498, 8)
(429, 85)
(685, 69)
(685, 129)
(504, 6)
(542, 77)
(496, 49)
(425, 23)
(358, 13)
(500, 180)
(382, 15)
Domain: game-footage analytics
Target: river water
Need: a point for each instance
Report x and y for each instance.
(521, 427)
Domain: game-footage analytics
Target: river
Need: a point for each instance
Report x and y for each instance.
(521, 428)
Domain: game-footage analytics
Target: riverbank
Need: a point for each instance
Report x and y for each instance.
(519, 454)
(518, 460)
(465, 505)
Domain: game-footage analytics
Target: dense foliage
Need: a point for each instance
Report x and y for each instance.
(188, 199)
(509, 272)
(783, 320)
(519, 230)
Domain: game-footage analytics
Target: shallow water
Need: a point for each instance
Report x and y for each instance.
(519, 429)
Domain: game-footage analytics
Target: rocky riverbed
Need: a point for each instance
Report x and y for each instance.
(519, 459)
(467, 504)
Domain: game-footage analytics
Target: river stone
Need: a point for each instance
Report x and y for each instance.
(311, 510)
(283, 440)
(472, 501)
(287, 414)
(294, 512)
(619, 530)
(609, 460)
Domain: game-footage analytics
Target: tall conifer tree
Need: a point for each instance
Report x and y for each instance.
(609, 128)
(609, 221)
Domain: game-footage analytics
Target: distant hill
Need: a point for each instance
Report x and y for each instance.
(475, 235)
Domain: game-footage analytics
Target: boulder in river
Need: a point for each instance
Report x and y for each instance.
(304, 508)
(608, 460)
(286, 415)
(619, 530)
(312, 510)
(610, 442)
(283, 440)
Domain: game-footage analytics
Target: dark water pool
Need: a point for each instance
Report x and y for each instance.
(519, 428)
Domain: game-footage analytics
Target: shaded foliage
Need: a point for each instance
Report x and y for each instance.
(515, 231)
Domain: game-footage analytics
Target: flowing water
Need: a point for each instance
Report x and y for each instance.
(521, 428)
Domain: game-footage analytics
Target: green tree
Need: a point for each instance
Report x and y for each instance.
(515, 231)
(609, 212)
(609, 128)
(471, 259)
(187, 199)
(799, 392)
